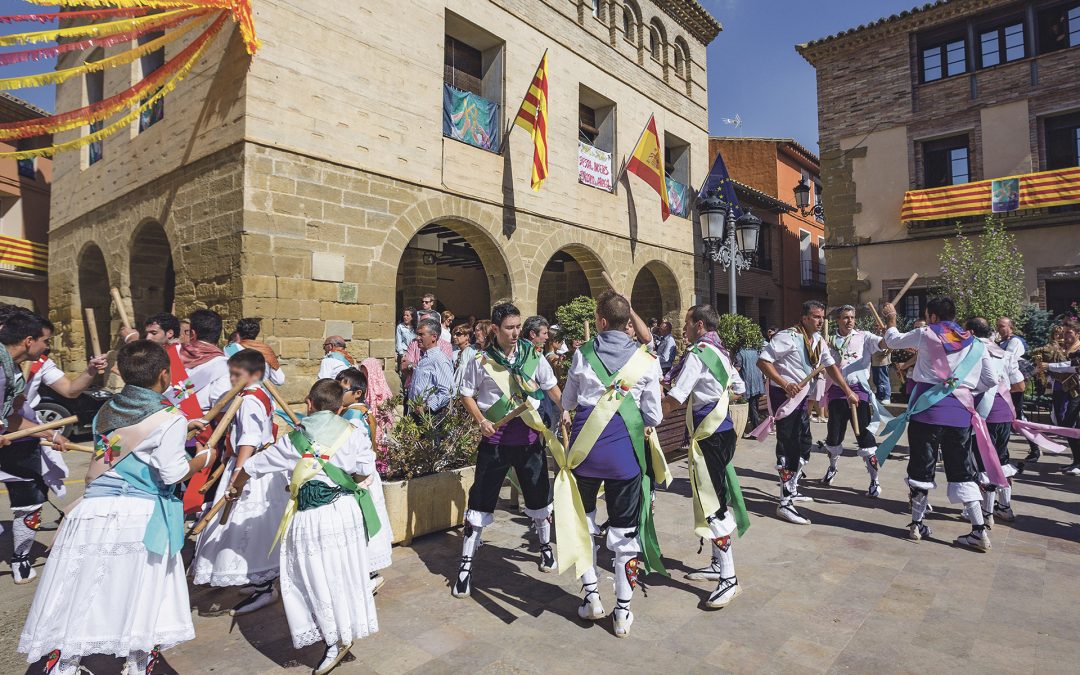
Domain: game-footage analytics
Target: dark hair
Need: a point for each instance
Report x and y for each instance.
(811, 305)
(166, 322)
(942, 307)
(326, 394)
(354, 379)
(206, 325)
(667, 324)
(21, 324)
(706, 314)
(613, 307)
(140, 363)
(533, 325)
(412, 314)
(979, 326)
(248, 329)
(250, 360)
(502, 311)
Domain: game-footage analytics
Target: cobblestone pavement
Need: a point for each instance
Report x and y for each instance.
(849, 593)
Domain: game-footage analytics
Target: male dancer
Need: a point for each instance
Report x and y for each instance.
(207, 365)
(853, 351)
(790, 357)
(705, 375)
(952, 367)
(502, 377)
(614, 385)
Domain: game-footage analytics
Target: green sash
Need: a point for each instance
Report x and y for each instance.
(616, 400)
(705, 501)
(515, 379)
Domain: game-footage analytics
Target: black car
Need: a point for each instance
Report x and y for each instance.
(53, 406)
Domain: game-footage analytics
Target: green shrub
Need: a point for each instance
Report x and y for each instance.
(737, 331)
(572, 316)
(424, 444)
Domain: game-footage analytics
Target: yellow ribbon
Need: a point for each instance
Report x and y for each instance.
(94, 29)
(120, 59)
(661, 472)
(306, 469)
(705, 501)
(126, 119)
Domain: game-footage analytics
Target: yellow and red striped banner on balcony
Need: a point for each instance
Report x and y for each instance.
(23, 255)
(1037, 190)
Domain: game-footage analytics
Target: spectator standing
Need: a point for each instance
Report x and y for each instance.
(432, 383)
(665, 346)
(746, 363)
(405, 333)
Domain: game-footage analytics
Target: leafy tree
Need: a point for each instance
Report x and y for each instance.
(572, 316)
(737, 331)
(984, 275)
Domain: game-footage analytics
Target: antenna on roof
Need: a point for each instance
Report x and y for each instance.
(734, 121)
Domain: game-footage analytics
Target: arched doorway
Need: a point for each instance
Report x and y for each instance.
(459, 263)
(571, 272)
(94, 294)
(655, 293)
(152, 280)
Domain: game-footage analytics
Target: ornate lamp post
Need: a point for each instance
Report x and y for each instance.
(802, 200)
(727, 241)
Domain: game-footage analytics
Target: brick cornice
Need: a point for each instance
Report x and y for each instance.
(693, 17)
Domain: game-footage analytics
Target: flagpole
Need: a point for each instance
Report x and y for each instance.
(626, 163)
(510, 126)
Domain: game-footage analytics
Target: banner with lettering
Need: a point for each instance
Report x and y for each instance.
(594, 167)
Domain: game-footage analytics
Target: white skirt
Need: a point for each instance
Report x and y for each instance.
(102, 592)
(324, 575)
(242, 551)
(380, 546)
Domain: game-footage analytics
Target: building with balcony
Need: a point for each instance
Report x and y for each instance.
(340, 174)
(24, 215)
(790, 267)
(921, 114)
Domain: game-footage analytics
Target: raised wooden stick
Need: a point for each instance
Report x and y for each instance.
(48, 426)
(806, 380)
(607, 278)
(205, 520)
(71, 447)
(280, 400)
(512, 415)
(877, 317)
(91, 330)
(854, 418)
(219, 431)
(216, 409)
(587, 338)
(124, 320)
(900, 296)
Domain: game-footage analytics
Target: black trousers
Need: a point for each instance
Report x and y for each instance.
(924, 441)
(793, 439)
(718, 450)
(840, 418)
(753, 417)
(623, 499)
(492, 463)
(999, 435)
(23, 459)
(1072, 421)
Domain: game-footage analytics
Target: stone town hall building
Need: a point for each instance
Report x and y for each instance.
(313, 185)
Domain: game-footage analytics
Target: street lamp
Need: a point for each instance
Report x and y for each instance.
(727, 241)
(802, 200)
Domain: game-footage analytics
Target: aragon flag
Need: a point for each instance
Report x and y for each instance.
(532, 117)
(647, 161)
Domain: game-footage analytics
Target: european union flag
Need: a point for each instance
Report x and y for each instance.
(718, 178)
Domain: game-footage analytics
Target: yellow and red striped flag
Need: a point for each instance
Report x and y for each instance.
(647, 161)
(532, 117)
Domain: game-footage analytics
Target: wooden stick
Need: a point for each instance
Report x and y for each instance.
(854, 418)
(205, 520)
(219, 431)
(512, 415)
(124, 320)
(216, 409)
(900, 296)
(91, 330)
(587, 338)
(280, 400)
(877, 317)
(212, 479)
(48, 426)
(71, 447)
(806, 380)
(607, 278)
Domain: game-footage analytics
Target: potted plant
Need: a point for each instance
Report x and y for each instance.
(738, 332)
(428, 464)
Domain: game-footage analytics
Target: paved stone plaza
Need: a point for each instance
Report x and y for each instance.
(849, 593)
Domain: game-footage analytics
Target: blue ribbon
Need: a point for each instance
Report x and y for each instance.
(165, 532)
(929, 398)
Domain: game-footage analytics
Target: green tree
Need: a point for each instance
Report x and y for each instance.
(984, 275)
(737, 331)
(572, 316)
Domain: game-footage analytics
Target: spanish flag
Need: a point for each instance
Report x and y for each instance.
(532, 117)
(647, 161)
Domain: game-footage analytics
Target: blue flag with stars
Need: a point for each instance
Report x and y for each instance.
(718, 178)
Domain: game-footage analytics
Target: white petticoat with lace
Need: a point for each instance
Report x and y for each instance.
(325, 570)
(381, 545)
(102, 592)
(239, 552)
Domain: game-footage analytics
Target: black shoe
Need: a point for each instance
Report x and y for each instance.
(830, 473)
(1033, 456)
(547, 558)
(463, 584)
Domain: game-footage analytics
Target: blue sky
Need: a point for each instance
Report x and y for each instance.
(754, 70)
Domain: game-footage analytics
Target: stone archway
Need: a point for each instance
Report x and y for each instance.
(152, 280)
(94, 293)
(572, 271)
(459, 263)
(656, 292)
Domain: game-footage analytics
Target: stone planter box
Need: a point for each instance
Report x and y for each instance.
(427, 504)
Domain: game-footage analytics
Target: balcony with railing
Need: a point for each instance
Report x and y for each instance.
(811, 276)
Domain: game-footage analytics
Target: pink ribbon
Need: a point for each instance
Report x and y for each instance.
(1033, 431)
(762, 431)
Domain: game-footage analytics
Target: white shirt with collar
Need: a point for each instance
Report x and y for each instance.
(696, 378)
(857, 354)
(215, 373)
(1004, 363)
(583, 388)
(1015, 346)
(979, 379)
(252, 426)
(476, 382)
(787, 352)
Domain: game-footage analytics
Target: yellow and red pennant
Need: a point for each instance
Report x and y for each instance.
(647, 161)
(532, 117)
